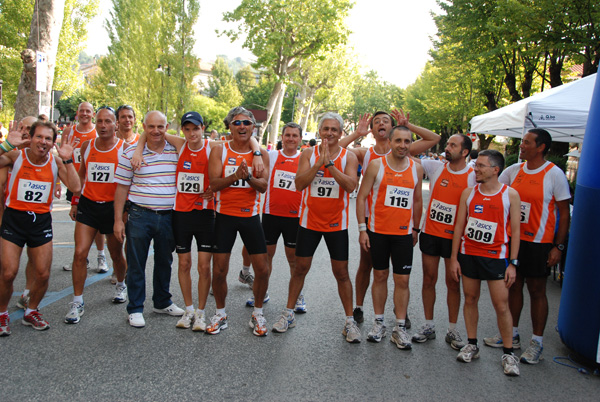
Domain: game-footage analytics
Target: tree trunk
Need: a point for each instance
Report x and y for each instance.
(270, 108)
(556, 66)
(491, 104)
(306, 113)
(277, 116)
(44, 34)
(511, 84)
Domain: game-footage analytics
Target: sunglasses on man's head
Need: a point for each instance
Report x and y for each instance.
(240, 122)
(105, 107)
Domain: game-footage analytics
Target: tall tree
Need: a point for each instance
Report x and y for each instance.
(282, 33)
(45, 29)
(222, 85)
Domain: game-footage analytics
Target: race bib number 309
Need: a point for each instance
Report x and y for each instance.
(481, 231)
(33, 191)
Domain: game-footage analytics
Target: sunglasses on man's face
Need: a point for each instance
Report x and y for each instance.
(240, 122)
(105, 107)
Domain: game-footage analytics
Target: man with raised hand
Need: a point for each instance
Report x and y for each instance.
(326, 175)
(544, 191)
(393, 187)
(237, 191)
(447, 181)
(150, 191)
(95, 209)
(481, 247)
(380, 125)
(27, 218)
(282, 204)
(83, 131)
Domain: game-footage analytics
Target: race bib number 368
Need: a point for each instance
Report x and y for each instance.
(33, 191)
(481, 231)
(399, 197)
(442, 212)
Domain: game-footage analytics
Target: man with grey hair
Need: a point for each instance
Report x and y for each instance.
(237, 189)
(326, 175)
(150, 192)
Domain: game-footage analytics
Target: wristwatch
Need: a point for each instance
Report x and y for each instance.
(330, 163)
(249, 176)
(515, 262)
(257, 153)
(68, 161)
(560, 246)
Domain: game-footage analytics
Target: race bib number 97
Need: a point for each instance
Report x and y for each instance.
(190, 182)
(481, 231)
(284, 180)
(442, 212)
(399, 197)
(99, 172)
(33, 191)
(240, 183)
(325, 187)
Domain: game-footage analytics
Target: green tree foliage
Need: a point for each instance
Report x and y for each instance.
(212, 112)
(246, 79)
(145, 34)
(222, 85)
(15, 21)
(371, 94)
(282, 33)
(72, 41)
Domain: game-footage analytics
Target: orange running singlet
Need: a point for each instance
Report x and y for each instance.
(83, 137)
(281, 198)
(192, 178)
(538, 205)
(324, 206)
(100, 166)
(390, 202)
(486, 232)
(31, 187)
(239, 199)
(443, 203)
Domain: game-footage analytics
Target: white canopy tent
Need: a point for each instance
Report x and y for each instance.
(563, 111)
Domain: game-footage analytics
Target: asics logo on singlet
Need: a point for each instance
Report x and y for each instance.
(397, 191)
(478, 209)
(441, 207)
(187, 165)
(95, 166)
(190, 178)
(231, 161)
(286, 175)
(486, 199)
(327, 182)
(334, 225)
(244, 209)
(34, 186)
(483, 226)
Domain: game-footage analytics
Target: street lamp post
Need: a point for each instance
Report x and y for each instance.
(166, 70)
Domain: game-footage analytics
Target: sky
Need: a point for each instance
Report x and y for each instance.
(391, 37)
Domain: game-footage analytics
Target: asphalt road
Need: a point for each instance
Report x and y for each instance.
(104, 359)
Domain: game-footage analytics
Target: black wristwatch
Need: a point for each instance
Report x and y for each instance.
(249, 176)
(560, 246)
(68, 161)
(257, 153)
(515, 263)
(416, 230)
(330, 163)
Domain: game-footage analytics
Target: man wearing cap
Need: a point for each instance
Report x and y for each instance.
(193, 212)
(151, 194)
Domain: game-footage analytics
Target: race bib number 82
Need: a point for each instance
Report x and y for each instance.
(33, 191)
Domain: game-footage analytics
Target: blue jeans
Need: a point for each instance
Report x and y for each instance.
(142, 227)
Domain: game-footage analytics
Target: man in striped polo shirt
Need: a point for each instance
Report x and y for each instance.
(150, 192)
